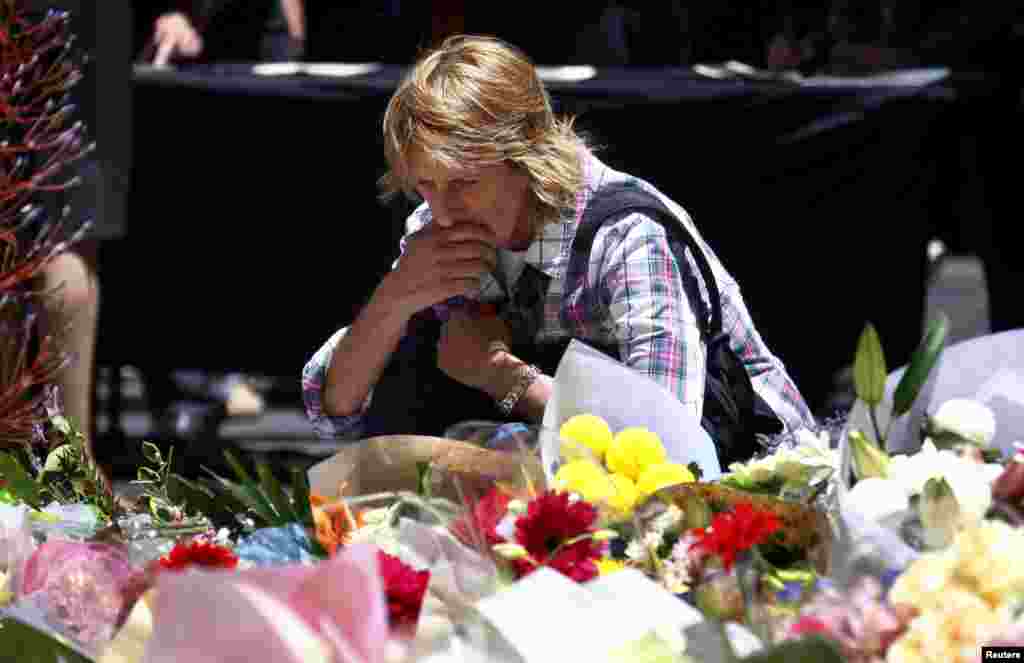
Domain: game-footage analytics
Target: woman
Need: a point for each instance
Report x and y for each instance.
(504, 185)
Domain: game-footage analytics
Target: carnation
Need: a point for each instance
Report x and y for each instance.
(404, 588)
(199, 552)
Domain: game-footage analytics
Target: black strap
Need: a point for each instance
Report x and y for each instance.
(614, 200)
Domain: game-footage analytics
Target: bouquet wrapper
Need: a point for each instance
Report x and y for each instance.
(866, 547)
(620, 616)
(589, 382)
(392, 463)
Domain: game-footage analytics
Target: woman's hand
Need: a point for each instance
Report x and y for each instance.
(175, 35)
(438, 264)
(473, 349)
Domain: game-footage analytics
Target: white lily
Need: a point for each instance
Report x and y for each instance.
(971, 483)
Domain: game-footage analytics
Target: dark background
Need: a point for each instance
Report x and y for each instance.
(253, 228)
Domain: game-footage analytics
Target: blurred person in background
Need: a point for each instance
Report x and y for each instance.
(226, 31)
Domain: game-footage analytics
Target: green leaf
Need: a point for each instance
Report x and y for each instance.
(271, 487)
(253, 488)
(23, 642)
(152, 454)
(423, 472)
(196, 497)
(18, 481)
(251, 498)
(300, 491)
(812, 649)
(921, 364)
(869, 371)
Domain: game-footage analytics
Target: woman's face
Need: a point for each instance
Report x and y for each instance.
(493, 196)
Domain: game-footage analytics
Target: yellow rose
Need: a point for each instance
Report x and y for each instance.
(657, 476)
(632, 450)
(588, 430)
(587, 480)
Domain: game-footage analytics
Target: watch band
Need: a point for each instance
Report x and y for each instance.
(528, 374)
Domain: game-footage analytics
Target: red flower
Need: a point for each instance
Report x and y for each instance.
(482, 518)
(809, 626)
(736, 531)
(550, 522)
(404, 588)
(198, 552)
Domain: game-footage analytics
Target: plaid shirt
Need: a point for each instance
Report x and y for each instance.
(631, 294)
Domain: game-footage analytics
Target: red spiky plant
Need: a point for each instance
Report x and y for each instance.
(38, 140)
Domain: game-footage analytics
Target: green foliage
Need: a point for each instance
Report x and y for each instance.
(18, 483)
(869, 371)
(22, 642)
(921, 364)
(266, 501)
(70, 476)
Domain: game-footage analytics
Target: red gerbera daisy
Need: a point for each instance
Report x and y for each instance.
(198, 552)
(404, 588)
(550, 522)
(736, 531)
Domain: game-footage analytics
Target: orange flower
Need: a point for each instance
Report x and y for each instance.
(333, 520)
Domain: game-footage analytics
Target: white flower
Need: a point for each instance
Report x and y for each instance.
(639, 549)
(877, 499)
(506, 529)
(971, 481)
(966, 418)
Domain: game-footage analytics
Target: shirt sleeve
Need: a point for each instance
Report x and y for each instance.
(314, 373)
(651, 317)
(314, 377)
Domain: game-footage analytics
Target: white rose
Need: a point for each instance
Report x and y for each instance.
(966, 418)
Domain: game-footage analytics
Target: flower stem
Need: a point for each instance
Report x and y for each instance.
(873, 411)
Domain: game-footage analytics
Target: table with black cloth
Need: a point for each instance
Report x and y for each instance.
(256, 231)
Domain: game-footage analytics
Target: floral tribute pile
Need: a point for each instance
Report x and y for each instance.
(825, 547)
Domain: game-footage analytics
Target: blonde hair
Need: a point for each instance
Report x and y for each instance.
(475, 102)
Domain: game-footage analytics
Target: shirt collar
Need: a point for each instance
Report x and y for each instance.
(550, 252)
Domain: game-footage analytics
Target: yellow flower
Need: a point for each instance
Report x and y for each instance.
(989, 560)
(923, 584)
(588, 430)
(587, 480)
(606, 565)
(624, 497)
(656, 477)
(632, 450)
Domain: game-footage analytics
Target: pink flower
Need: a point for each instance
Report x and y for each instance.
(83, 586)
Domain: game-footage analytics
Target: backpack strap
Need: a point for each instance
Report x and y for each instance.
(613, 201)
